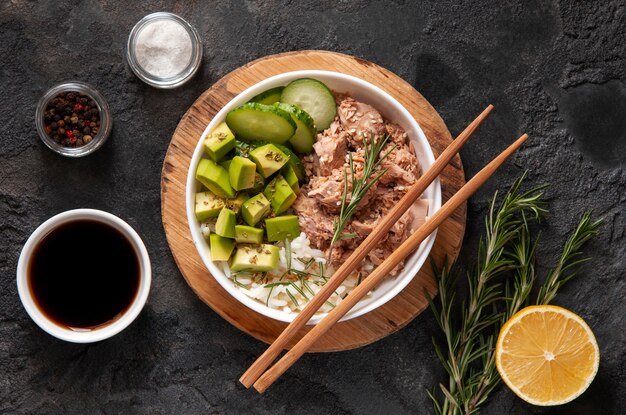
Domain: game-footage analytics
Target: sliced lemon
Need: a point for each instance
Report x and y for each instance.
(547, 355)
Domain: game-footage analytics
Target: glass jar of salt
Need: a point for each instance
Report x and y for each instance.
(164, 50)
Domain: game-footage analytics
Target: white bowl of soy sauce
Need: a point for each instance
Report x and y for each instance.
(84, 275)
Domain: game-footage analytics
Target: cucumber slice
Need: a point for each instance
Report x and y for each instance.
(268, 97)
(254, 121)
(313, 97)
(302, 141)
(243, 149)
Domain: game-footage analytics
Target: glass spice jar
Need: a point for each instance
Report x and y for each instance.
(104, 114)
(164, 50)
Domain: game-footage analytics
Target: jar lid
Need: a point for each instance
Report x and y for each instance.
(164, 50)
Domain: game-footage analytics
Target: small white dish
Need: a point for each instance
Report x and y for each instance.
(100, 332)
(391, 110)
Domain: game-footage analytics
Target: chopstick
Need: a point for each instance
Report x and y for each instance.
(414, 192)
(383, 269)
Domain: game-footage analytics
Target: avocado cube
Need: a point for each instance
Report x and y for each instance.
(248, 234)
(219, 142)
(225, 163)
(241, 172)
(225, 225)
(255, 258)
(221, 247)
(207, 205)
(269, 159)
(259, 184)
(280, 194)
(234, 204)
(282, 227)
(215, 178)
(290, 175)
(255, 209)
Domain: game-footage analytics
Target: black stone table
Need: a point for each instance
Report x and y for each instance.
(555, 70)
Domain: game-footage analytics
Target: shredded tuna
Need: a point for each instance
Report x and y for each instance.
(359, 119)
(331, 149)
(319, 201)
(313, 220)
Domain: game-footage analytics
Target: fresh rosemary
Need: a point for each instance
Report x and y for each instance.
(359, 186)
(302, 277)
(508, 251)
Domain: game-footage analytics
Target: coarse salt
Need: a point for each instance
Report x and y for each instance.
(163, 48)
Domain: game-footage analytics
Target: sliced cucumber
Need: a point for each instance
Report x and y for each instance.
(313, 97)
(268, 97)
(302, 141)
(254, 121)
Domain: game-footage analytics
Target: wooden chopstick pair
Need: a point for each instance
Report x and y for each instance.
(255, 374)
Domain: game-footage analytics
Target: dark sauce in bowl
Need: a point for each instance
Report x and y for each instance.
(84, 274)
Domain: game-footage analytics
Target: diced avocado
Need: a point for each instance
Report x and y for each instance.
(225, 225)
(259, 184)
(225, 163)
(234, 204)
(243, 149)
(282, 227)
(241, 172)
(221, 247)
(280, 194)
(219, 142)
(207, 205)
(215, 178)
(291, 177)
(269, 159)
(248, 234)
(255, 209)
(255, 258)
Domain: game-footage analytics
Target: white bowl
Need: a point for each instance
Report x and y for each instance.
(102, 332)
(391, 110)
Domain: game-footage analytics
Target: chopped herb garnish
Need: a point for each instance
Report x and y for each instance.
(288, 252)
(292, 297)
(299, 290)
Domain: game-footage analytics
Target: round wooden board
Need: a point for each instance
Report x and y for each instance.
(345, 335)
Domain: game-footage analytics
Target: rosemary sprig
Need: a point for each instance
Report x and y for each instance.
(469, 353)
(372, 159)
(570, 259)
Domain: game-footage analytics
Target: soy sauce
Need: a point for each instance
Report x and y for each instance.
(84, 274)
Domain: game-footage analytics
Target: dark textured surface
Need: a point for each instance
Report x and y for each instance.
(555, 70)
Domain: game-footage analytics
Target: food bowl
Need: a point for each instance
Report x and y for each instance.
(391, 110)
(103, 331)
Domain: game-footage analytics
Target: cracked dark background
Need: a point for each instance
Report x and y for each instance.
(553, 69)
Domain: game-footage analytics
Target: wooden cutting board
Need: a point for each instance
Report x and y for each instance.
(356, 332)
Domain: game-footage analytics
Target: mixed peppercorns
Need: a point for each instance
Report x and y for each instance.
(72, 119)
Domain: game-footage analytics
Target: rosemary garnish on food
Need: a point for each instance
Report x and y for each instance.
(507, 252)
(372, 159)
(293, 275)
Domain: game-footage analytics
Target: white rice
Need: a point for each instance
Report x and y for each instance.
(289, 292)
